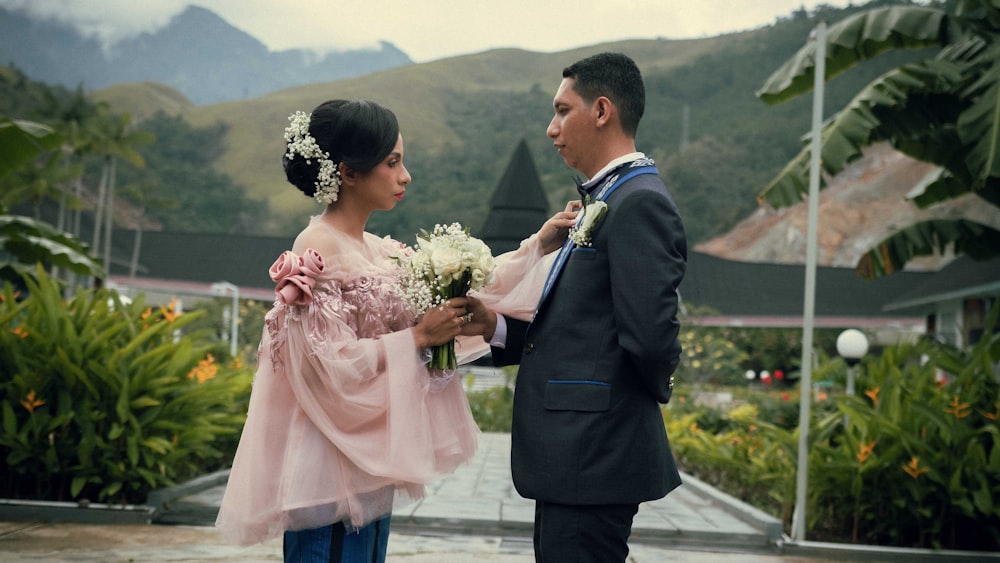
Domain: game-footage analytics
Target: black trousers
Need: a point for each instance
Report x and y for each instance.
(582, 534)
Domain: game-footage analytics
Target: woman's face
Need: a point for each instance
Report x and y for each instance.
(384, 186)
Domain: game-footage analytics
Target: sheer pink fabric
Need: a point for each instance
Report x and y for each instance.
(344, 419)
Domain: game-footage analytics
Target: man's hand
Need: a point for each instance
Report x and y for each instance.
(483, 322)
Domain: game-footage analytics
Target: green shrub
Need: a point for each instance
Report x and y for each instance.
(735, 451)
(493, 408)
(106, 400)
(709, 356)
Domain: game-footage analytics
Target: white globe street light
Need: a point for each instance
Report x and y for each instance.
(852, 345)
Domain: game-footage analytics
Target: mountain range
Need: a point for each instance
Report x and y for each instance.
(197, 53)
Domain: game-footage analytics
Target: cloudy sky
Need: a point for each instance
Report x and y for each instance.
(433, 29)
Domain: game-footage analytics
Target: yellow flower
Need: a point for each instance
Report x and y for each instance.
(912, 469)
(865, 451)
(236, 363)
(993, 415)
(205, 370)
(960, 410)
(20, 332)
(169, 311)
(873, 395)
(30, 403)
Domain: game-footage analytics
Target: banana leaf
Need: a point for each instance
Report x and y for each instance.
(23, 141)
(970, 238)
(856, 39)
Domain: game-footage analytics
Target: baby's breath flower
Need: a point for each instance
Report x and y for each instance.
(302, 143)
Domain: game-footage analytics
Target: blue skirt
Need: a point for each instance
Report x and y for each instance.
(334, 544)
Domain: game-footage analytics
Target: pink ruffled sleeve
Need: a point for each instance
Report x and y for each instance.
(340, 425)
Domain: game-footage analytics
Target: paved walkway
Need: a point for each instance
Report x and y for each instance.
(473, 515)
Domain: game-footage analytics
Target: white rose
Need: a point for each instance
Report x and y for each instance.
(593, 213)
(446, 261)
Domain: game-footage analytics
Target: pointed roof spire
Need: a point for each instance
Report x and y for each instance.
(519, 205)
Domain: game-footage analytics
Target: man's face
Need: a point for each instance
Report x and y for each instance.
(572, 128)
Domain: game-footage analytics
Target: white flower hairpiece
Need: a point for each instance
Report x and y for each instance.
(302, 143)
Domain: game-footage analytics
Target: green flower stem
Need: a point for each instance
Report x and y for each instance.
(443, 356)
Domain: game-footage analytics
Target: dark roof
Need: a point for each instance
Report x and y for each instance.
(519, 206)
(963, 277)
(242, 260)
(740, 292)
(750, 289)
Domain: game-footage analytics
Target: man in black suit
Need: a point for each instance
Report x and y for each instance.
(596, 361)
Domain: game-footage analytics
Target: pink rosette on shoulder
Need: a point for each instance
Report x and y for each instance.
(296, 276)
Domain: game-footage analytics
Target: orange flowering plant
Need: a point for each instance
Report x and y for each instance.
(911, 460)
(102, 400)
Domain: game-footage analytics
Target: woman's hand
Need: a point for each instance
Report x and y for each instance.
(553, 233)
(441, 324)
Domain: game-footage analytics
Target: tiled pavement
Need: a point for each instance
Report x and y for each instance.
(470, 516)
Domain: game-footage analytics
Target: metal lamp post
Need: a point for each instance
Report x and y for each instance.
(223, 288)
(852, 345)
(809, 300)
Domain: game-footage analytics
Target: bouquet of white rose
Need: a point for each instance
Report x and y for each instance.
(447, 262)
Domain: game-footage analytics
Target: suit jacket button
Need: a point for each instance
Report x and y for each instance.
(529, 348)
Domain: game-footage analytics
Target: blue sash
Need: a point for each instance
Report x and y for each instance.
(567, 246)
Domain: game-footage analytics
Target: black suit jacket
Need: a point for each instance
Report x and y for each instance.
(597, 360)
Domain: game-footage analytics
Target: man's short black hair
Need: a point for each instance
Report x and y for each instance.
(616, 77)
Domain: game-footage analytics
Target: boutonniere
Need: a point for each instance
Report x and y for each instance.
(582, 231)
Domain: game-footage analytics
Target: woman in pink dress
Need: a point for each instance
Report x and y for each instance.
(345, 418)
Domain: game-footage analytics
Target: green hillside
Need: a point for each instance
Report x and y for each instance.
(462, 118)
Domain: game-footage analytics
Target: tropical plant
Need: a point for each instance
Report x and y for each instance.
(105, 399)
(67, 113)
(113, 139)
(29, 241)
(23, 240)
(23, 141)
(944, 110)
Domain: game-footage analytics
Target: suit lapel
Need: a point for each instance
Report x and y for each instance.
(567, 247)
